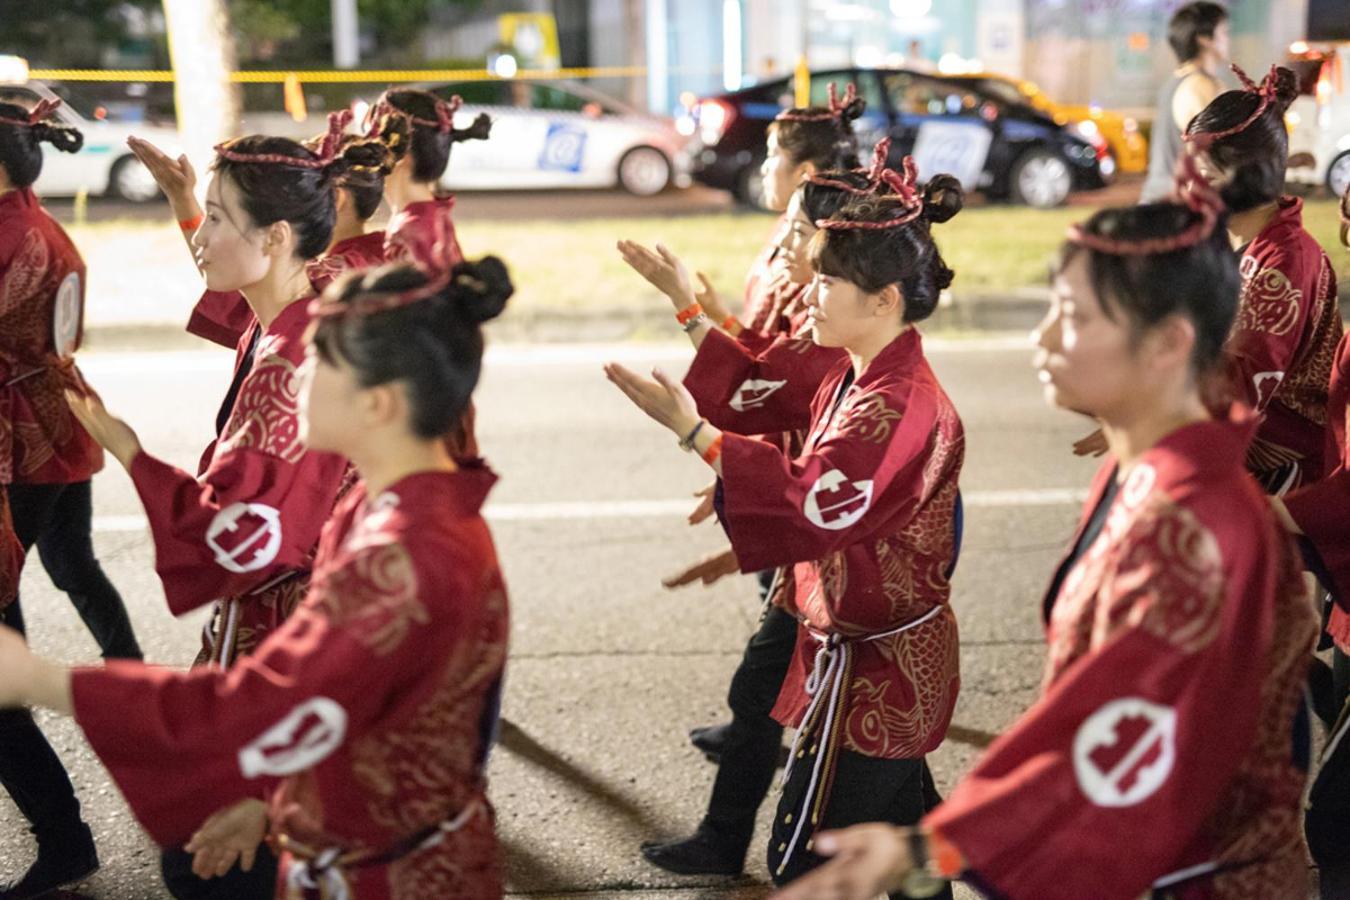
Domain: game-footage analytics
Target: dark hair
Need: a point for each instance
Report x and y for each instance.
(434, 346)
(1200, 283)
(1257, 156)
(822, 199)
(365, 183)
(1190, 23)
(20, 152)
(904, 255)
(429, 145)
(276, 192)
(828, 142)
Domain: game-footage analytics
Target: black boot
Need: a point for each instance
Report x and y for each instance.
(710, 740)
(702, 853)
(60, 863)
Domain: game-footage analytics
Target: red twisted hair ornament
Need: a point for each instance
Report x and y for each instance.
(39, 113)
(904, 195)
(444, 121)
(835, 110)
(329, 150)
(1266, 91)
(874, 173)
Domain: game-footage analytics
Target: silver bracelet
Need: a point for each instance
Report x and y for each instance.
(700, 319)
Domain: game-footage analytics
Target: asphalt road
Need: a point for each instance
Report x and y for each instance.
(608, 670)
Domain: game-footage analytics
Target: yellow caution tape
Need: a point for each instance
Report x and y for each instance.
(333, 76)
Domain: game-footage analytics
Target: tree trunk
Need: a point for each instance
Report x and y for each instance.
(201, 49)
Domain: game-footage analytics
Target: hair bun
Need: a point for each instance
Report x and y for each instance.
(1286, 88)
(370, 155)
(854, 110)
(943, 198)
(479, 130)
(479, 290)
(62, 137)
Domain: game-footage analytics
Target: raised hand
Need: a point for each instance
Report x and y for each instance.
(709, 570)
(708, 298)
(175, 177)
(230, 835)
(661, 397)
(662, 269)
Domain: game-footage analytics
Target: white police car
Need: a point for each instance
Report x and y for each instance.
(560, 134)
(104, 165)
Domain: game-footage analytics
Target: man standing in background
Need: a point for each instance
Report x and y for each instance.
(1198, 33)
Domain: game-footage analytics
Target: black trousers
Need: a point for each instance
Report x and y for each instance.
(1326, 818)
(35, 778)
(258, 884)
(58, 519)
(753, 740)
(896, 791)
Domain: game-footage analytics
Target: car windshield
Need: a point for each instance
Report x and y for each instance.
(28, 95)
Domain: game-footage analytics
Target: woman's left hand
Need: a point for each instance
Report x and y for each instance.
(112, 433)
(661, 397)
(662, 269)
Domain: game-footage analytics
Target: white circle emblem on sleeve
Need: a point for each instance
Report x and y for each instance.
(1124, 752)
(303, 738)
(245, 536)
(835, 503)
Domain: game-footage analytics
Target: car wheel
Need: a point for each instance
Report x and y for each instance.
(644, 171)
(132, 181)
(750, 186)
(1041, 178)
(1338, 174)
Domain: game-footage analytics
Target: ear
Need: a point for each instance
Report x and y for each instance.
(1171, 342)
(383, 405)
(279, 239)
(889, 302)
(807, 170)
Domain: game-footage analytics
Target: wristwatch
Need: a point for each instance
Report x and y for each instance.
(920, 882)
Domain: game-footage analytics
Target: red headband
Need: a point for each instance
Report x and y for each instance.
(904, 185)
(444, 121)
(876, 173)
(835, 111)
(370, 304)
(1192, 191)
(1266, 91)
(43, 110)
(328, 152)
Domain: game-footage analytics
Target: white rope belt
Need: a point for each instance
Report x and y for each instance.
(834, 657)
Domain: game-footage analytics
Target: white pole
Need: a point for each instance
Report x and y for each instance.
(202, 52)
(346, 35)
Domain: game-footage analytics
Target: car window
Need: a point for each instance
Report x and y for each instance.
(914, 95)
(475, 93)
(865, 82)
(555, 99)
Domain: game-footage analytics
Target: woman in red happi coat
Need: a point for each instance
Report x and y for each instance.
(862, 522)
(240, 536)
(47, 463)
(222, 317)
(354, 738)
(1283, 345)
(1167, 754)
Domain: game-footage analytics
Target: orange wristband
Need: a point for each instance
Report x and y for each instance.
(193, 223)
(732, 326)
(946, 858)
(689, 312)
(714, 451)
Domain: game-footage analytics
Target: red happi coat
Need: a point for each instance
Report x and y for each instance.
(364, 716)
(243, 531)
(863, 522)
(41, 442)
(757, 280)
(423, 233)
(1322, 509)
(222, 317)
(1178, 647)
(1283, 345)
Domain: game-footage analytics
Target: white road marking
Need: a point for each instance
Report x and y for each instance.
(118, 362)
(583, 510)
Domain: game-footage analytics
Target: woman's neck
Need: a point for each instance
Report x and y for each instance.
(284, 283)
(402, 193)
(1133, 434)
(386, 460)
(346, 229)
(866, 349)
(1243, 227)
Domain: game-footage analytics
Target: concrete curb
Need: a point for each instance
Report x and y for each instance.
(1017, 311)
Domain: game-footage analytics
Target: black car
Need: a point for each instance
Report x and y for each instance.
(1008, 150)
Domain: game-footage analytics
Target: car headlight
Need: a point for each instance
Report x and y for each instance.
(1087, 128)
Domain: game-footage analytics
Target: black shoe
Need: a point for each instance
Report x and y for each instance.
(710, 740)
(59, 864)
(699, 854)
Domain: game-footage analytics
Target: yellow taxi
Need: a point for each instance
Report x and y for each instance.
(1119, 135)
